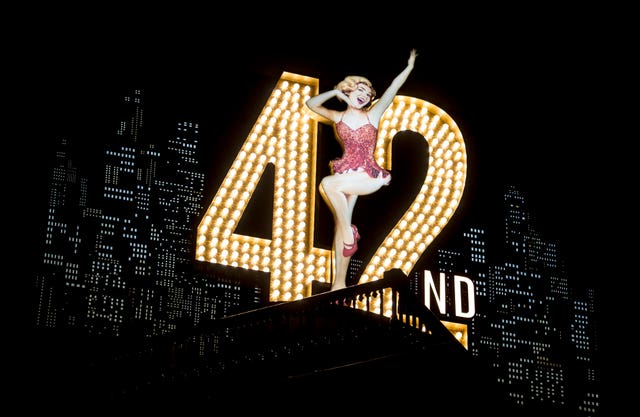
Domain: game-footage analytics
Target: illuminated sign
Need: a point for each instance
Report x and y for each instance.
(285, 135)
(464, 301)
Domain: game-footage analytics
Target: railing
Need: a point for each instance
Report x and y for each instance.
(297, 340)
(319, 319)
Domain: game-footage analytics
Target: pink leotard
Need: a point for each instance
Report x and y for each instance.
(358, 146)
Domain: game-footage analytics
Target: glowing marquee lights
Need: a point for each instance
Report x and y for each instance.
(285, 135)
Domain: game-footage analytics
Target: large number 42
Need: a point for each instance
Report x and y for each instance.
(285, 135)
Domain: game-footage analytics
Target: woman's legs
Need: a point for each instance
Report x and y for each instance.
(340, 192)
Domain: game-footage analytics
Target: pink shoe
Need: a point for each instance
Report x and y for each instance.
(351, 248)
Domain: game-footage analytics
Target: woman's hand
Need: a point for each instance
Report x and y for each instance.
(412, 57)
(342, 96)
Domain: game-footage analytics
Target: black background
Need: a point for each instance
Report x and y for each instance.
(538, 94)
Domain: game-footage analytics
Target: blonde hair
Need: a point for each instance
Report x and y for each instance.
(350, 83)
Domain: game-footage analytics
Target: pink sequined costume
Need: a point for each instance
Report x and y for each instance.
(358, 145)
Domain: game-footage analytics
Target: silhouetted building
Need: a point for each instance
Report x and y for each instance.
(536, 332)
(118, 248)
(60, 280)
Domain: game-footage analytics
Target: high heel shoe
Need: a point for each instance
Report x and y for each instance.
(350, 248)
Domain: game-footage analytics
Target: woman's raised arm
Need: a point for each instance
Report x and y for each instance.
(387, 97)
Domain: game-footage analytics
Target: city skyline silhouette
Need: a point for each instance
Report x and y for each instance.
(146, 144)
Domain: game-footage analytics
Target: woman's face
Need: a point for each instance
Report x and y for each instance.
(361, 96)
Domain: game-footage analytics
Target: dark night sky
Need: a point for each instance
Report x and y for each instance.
(520, 101)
